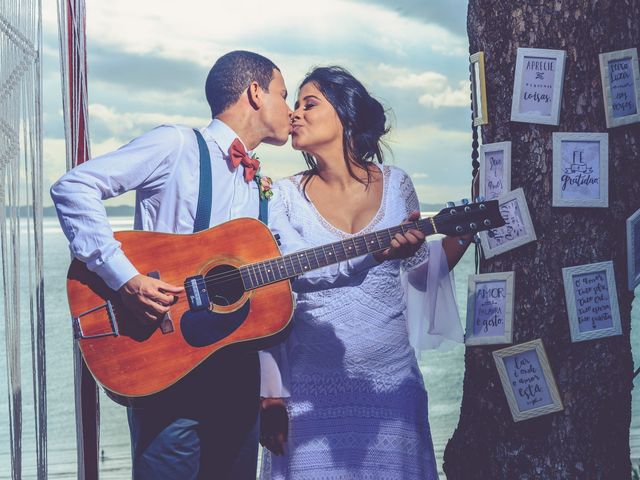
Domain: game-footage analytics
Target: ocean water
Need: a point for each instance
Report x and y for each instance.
(443, 373)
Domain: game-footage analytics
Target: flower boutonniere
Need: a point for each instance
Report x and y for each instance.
(264, 185)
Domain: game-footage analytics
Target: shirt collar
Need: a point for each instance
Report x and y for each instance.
(223, 135)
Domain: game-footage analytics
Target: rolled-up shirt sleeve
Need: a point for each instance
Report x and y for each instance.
(274, 372)
(144, 163)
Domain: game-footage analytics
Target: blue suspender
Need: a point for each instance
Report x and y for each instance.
(203, 212)
(264, 210)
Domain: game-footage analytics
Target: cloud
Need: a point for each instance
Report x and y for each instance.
(448, 97)
(439, 194)
(146, 71)
(54, 157)
(128, 124)
(438, 160)
(428, 135)
(200, 30)
(148, 61)
(54, 162)
(450, 14)
(405, 78)
(435, 87)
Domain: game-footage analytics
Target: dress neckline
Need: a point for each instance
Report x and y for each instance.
(379, 215)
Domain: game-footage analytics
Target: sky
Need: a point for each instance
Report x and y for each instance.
(148, 60)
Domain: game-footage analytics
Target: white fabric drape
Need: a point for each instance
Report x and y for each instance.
(21, 214)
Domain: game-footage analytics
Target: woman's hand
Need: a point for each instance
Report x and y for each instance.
(274, 425)
(403, 245)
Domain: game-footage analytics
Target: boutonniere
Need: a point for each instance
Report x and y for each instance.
(264, 184)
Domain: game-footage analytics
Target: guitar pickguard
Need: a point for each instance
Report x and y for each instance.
(205, 327)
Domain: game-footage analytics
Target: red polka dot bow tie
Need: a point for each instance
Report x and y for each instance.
(238, 155)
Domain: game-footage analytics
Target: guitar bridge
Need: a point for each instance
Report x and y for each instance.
(197, 293)
(78, 334)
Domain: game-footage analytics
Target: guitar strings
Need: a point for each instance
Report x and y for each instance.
(236, 274)
(233, 275)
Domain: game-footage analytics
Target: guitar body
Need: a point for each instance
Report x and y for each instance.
(130, 360)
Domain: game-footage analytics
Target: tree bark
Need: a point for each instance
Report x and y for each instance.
(590, 438)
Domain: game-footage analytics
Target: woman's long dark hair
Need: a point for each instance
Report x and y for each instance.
(362, 117)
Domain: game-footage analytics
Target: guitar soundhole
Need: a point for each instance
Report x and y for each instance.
(224, 285)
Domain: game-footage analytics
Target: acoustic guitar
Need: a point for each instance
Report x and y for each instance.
(237, 294)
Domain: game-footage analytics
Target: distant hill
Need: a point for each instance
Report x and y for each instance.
(431, 207)
(127, 210)
(117, 211)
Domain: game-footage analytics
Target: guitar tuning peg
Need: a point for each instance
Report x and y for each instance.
(465, 201)
(479, 199)
(450, 204)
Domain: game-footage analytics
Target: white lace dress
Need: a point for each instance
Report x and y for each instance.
(357, 405)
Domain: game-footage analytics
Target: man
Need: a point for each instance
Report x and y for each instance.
(205, 425)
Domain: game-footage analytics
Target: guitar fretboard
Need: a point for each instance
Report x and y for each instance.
(288, 266)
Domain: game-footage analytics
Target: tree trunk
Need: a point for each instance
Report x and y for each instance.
(590, 438)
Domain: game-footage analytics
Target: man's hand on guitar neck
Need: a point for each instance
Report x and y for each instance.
(403, 245)
(148, 298)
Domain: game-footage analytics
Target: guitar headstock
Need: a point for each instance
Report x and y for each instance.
(468, 218)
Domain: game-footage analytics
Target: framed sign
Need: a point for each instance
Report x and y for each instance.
(478, 89)
(580, 169)
(620, 87)
(633, 250)
(518, 229)
(490, 309)
(537, 86)
(592, 301)
(495, 169)
(527, 380)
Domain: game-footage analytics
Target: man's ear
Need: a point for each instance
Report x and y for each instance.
(254, 95)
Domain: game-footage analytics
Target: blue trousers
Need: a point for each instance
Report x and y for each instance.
(205, 427)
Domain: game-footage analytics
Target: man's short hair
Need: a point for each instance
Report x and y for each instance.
(232, 74)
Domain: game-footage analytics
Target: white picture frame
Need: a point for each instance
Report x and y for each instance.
(580, 169)
(527, 380)
(620, 87)
(495, 169)
(537, 86)
(490, 299)
(633, 250)
(517, 232)
(478, 89)
(592, 301)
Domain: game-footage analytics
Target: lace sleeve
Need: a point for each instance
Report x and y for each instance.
(412, 204)
(432, 312)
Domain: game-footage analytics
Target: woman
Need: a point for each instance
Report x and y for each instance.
(357, 407)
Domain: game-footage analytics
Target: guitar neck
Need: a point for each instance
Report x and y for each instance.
(288, 266)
